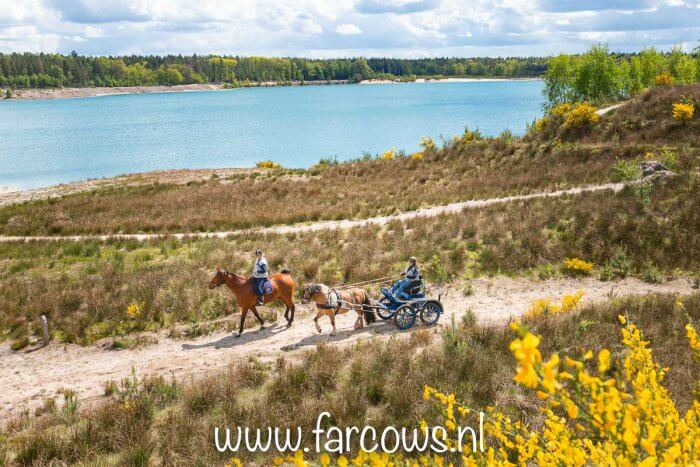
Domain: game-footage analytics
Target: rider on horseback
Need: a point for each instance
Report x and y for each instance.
(260, 274)
(411, 274)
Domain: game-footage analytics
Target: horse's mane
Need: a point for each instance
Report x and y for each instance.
(229, 273)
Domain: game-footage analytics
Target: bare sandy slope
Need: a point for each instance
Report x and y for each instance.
(71, 93)
(27, 377)
(330, 225)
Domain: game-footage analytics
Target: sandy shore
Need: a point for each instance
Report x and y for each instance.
(445, 80)
(71, 93)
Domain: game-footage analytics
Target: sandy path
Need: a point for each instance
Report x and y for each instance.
(607, 109)
(27, 377)
(330, 225)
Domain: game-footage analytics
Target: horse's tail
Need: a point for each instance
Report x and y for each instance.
(370, 317)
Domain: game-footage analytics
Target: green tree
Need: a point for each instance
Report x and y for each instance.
(558, 80)
(686, 70)
(651, 63)
(596, 75)
(361, 70)
(169, 75)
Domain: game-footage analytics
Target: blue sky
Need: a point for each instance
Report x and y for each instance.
(331, 28)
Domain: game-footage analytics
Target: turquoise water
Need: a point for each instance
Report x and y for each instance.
(45, 142)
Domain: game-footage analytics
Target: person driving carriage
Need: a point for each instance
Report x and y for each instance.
(260, 273)
(411, 274)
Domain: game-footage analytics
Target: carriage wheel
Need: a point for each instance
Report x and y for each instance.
(384, 312)
(405, 317)
(430, 313)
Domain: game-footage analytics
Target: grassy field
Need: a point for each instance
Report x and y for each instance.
(466, 167)
(345, 191)
(164, 422)
(91, 289)
(86, 287)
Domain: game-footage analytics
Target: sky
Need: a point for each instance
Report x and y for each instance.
(346, 28)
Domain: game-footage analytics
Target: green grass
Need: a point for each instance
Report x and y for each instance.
(86, 287)
(375, 382)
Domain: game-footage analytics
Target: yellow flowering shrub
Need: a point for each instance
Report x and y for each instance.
(545, 307)
(692, 335)
(133, 311)
(268, 165)
(621, 416)
(560, 110)
(417, 156)
(427, 145)
(683, 112)
(469, 136)
(580, 115)
(539, 124)
(578, 266)
(388, 154)
(663, 79)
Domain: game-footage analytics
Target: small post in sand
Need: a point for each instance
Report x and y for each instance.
(45, 329)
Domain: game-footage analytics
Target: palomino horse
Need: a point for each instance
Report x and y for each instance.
(282, 289)
(330, 302)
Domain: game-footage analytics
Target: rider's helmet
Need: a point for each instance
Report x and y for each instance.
(412, 260)
(258, 252)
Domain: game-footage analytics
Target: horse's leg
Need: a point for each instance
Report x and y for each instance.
(359, 323)
(255, 312)
(318, 315)
(332, 317)
(289, 310)
(244, 313)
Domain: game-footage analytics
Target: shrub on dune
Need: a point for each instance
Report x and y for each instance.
(683, 112)
(583, 114)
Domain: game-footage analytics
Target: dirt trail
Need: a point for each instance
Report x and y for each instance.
(330, 225)
(27, 377)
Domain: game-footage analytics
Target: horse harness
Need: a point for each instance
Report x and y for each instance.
(329, 302)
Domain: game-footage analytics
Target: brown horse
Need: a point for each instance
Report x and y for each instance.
(330, 302)
(242, 287)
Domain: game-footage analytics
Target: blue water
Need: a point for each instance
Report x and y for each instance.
(45, 142)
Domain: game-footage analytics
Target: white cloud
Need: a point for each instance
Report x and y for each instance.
(348, 29)
(344, 27)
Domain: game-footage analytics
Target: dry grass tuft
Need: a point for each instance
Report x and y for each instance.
(376, 382)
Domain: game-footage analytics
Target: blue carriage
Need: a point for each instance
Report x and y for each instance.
(407, 304)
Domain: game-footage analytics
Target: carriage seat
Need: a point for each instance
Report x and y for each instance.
(414, 288)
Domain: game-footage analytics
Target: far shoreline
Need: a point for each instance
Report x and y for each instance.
(85, 92)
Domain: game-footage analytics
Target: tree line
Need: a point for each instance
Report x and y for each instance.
(39, 70)
(599, 75)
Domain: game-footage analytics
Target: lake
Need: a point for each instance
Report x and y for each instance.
(45, 142)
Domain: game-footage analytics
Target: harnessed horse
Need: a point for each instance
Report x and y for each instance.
(331, 302)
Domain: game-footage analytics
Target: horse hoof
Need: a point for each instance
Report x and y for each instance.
(236, 335)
